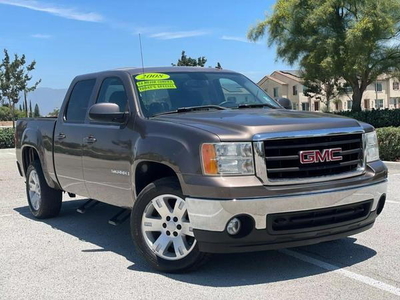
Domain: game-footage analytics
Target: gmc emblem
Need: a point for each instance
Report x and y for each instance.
(316, 156)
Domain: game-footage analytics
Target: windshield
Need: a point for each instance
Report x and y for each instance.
(167, 92)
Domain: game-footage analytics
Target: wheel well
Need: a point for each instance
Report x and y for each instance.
(29, 154)
(148, 172)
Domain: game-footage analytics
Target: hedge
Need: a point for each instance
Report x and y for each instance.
(6, 138)
(389, 143)
(6, 115)
(376, 117)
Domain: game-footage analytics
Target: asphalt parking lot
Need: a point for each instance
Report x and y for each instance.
(77, 256)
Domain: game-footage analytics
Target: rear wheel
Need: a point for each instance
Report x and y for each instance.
(44, 201)
(161, 228)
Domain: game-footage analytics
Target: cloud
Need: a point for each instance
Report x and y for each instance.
(237, 39)
(177, 34)
(41, 36)
(68, 13)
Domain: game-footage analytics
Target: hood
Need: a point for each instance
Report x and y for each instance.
(234, 124)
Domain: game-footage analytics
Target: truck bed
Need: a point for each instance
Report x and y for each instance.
(37, 133)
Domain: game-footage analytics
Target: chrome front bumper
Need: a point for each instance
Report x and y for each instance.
(213, 214)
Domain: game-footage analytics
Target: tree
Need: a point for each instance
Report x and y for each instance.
(14, 78)
(350, 39)
(191, 62)
(30, 110)
(54, 113)
(36, 111)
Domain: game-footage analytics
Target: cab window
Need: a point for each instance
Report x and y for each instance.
(79, 100)
(113, 91)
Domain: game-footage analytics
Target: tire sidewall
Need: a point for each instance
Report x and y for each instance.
(153, 190)
(35, 167)
(50, 199)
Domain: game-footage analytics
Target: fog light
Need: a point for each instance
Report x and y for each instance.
(233, 226)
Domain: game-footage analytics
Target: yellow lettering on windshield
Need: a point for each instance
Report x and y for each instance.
(152, 76)
(148, 85)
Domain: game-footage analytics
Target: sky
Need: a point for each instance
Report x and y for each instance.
(69, 38)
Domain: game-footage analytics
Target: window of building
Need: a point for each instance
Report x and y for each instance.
(367, 105)
(305, 106)
(349, 104)
(378, 87)
(113, 91)
(378, 103)
(348, 89)
(316, 106)
(295, 106)
(396, 85)
(79, 101)
(395, 102)
(276, 92)
(295, 90)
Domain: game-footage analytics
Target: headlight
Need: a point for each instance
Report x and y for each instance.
(372, 149)
(227, 158)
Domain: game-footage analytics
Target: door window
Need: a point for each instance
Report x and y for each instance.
(234, 92)
(113, 91)
(79, 100)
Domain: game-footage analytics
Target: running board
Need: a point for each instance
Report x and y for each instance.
(87, 205)
(120, 217)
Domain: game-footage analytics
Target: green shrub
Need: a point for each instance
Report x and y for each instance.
(389, 143)
(6, 115)
(6, 138)
(376, 117)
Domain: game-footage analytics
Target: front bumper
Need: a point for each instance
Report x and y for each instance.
(209, 218)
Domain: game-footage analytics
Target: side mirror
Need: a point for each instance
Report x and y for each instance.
(106, 112)
(285, 102)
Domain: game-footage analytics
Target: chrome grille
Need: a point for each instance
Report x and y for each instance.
(282, 157)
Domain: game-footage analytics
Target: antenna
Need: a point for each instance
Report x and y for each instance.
(141, 52)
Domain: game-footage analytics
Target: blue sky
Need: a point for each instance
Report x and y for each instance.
(68, 38)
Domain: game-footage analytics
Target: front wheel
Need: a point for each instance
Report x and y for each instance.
(161, 228)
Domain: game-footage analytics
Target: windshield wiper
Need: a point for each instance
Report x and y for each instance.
(191, 108)
(255, 105)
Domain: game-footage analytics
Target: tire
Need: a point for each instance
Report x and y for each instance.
(44, 201)
(164, 235)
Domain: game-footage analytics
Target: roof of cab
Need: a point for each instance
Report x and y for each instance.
(171, 69)
(134, 71)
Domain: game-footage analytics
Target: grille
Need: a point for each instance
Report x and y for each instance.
(283, 160)
(318, 219)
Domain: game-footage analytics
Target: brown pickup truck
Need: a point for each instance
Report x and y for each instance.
(205, 161)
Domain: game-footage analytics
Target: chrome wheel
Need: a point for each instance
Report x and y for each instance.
(34, 190)
(166, 227)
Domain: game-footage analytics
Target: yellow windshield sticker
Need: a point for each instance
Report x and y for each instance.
(152, 76)
(148, 85)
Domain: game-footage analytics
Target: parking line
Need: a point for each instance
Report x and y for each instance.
(329, 267)
(393, 201)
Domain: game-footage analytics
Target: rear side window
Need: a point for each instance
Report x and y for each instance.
(113, 91)
(79, 101)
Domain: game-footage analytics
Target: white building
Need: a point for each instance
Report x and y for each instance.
(384, 93)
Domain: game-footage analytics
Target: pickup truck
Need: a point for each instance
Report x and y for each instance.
(205, 161)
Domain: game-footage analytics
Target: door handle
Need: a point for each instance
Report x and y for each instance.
(61, 136)
(90, 139)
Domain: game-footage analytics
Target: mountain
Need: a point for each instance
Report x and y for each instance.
(47, 98)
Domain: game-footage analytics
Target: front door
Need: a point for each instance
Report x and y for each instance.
(107, 150)
(68, 137)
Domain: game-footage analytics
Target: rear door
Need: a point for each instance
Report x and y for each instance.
(68, 137)
(107, 150)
